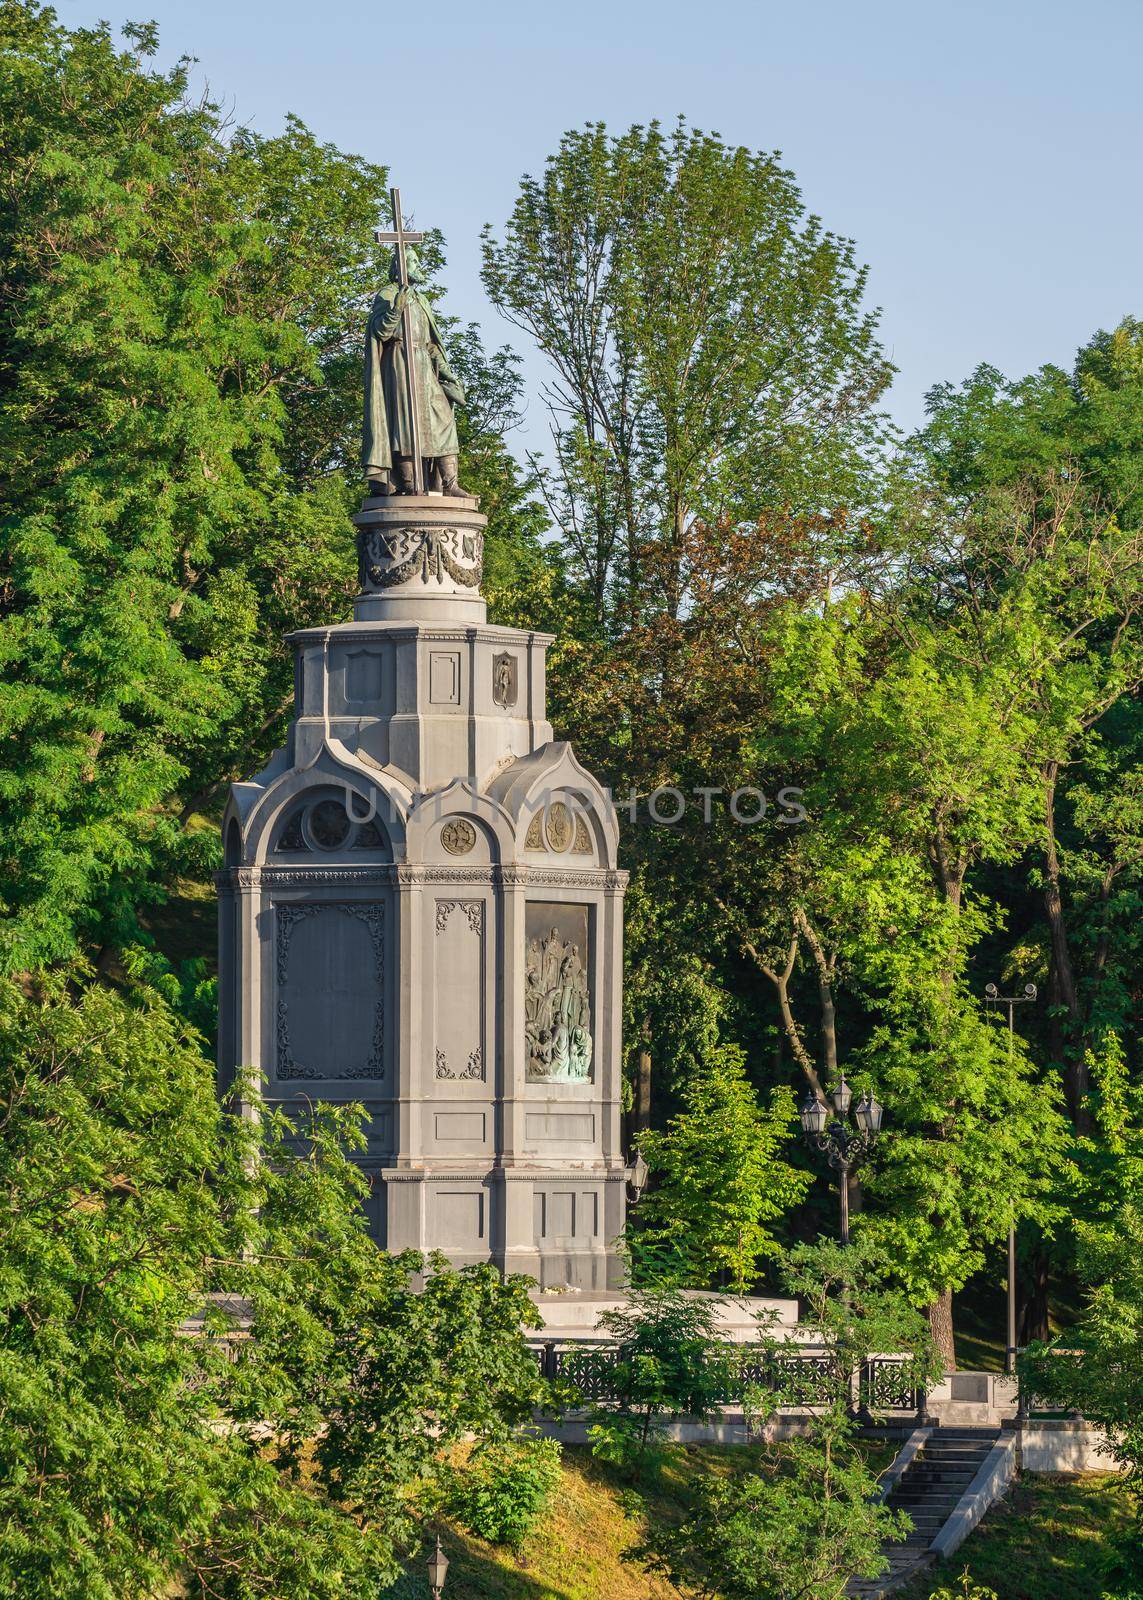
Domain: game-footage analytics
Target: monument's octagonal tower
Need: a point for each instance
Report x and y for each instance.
(420, 910)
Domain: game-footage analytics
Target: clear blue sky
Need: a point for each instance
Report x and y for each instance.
(984, 156)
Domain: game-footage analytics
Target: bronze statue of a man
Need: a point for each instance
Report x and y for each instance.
(387, 444)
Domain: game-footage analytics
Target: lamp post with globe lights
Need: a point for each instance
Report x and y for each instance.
(993, 997)
(827, 1127)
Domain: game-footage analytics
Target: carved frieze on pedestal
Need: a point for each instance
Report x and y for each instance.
(431, 542)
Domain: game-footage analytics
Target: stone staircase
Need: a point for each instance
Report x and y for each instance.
(928, 1491)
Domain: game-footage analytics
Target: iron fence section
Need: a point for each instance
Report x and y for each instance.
(801, 1380)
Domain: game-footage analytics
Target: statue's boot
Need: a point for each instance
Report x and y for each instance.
(449, 471)
(404, 471)
(378, 485)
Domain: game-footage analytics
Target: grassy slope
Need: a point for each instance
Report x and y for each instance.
(1045, 1541)
(577, 1552)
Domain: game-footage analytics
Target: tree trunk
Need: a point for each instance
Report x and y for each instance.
(824, 967)
(941, 1327)
(642, 1108)
(1034, 1321)
(781, 982)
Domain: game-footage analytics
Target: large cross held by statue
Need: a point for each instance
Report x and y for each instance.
(401, 237)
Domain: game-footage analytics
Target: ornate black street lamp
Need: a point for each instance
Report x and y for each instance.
(826, 1126)
(993, 997)
(438, 1566)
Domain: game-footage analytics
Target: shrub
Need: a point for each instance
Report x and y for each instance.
(505, 1488)
(966, 1590)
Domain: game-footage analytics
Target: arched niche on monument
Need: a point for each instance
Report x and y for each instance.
(323, 848)
(326, 821)
(459, 828)
(563, 823)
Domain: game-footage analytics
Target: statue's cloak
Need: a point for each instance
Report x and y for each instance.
(386, 431)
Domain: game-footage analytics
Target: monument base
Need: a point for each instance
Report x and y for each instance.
(421, 912)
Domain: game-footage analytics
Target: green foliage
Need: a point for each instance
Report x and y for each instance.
(503, 1490)
(133, 1454)
(799, 1529)
(1048, 1539)
(810, 1519)
(966, 1590)
(1095, 1367)
(974, 1143)
(711, 351)
(852, 1306)
(720, 1178)
(663, 1362)
(166, 294)
(180, 345)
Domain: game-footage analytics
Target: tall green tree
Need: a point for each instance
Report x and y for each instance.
(1035, 496)
(181, 315)
(719, 1180)
(161, 300)
(711, 354)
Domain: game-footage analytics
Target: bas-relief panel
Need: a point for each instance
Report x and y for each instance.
(330, 971)
(458, 991)
(557, 994)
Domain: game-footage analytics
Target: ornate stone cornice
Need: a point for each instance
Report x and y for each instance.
(414, 875)
(406, 876)
(604, 878)
(269, 877)
(403, 632)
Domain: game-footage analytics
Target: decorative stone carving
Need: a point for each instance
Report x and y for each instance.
(287, 918)
(429, 553)
(505, 685)
(458, 836)
(324, 824)
(559, 829)
(291, 838)
(327, 824)
(473, 910)
(557, 1012)
(473, 1068)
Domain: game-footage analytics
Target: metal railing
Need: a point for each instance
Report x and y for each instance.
(805, 1379)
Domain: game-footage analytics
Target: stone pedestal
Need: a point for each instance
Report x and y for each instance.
(421, 911)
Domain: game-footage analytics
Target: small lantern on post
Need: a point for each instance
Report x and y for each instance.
(637, 1174)
(825, 1123)
(438, 1566)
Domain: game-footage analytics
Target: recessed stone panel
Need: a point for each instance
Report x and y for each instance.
(458, 991)
(330, 970)
(362, 676)
(465, 1126)
(573, 1126)
(460, 1218)
(444, 677)
(564, 1214)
